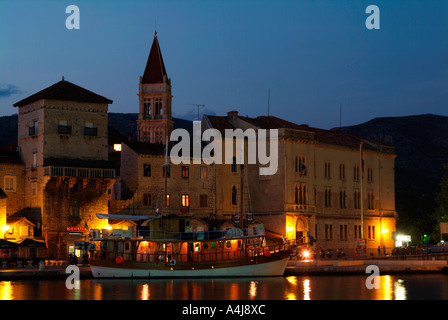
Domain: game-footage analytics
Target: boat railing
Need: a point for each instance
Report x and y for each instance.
(198, 235)
(165, 257)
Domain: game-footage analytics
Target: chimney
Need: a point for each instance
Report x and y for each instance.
(232, 114)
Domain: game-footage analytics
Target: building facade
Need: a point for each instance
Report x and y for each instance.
(62, 141)
(319, 189)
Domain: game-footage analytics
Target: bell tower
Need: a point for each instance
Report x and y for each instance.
(155, 119)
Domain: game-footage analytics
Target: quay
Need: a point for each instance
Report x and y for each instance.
(358, 266)
(36, 273)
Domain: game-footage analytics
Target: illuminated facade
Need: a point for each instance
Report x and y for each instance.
(316, 191)
(62, 142)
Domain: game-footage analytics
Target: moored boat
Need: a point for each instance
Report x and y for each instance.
(161, 254)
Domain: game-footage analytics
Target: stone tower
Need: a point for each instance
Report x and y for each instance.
(155, 120)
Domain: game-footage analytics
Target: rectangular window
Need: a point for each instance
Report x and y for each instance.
(89, 130)
(342, 171)
(370, 201)
(147, 199)
(203, 201)
(167, 169)
(34, 189)
(146, 170)
(75, 210)
(34, 164)
(234, 167)
(185, 172)
(64, 128)
(34, 129)
(369, 175)
(355, 173)
(185, 200)
(167, 202)
(328, 198)
(203, 172)
(10, 183)
(327, 170)
(328, 231)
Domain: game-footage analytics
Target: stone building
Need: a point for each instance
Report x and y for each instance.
(316, 191)
(63, 144)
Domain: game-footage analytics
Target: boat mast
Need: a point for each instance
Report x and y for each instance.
(165, 167)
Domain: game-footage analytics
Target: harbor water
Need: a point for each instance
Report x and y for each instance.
(332, 287)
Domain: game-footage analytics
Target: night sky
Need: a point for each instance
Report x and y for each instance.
(312, 55)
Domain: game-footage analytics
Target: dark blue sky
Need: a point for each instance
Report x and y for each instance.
(312, 55)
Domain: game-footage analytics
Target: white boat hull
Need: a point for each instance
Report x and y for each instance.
(265, 269)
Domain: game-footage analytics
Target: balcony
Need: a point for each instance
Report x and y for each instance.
(91, 132)
(78, 168)
(79, 172)
(64, 129)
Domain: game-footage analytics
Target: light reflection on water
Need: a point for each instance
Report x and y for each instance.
(391, 287)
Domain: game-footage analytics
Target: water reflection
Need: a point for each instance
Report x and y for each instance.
(391, 287)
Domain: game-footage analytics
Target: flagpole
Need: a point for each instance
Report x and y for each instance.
(361, 160)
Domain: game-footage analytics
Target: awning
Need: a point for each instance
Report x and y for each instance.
(123, 217)
(32, 243)
(5, 244)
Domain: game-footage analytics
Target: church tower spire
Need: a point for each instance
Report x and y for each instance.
(155, 120)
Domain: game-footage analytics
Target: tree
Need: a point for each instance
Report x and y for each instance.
(441, 197)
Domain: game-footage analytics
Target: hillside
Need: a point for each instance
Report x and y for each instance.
(421, 145)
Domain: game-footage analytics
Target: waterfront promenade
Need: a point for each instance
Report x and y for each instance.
(389, 265)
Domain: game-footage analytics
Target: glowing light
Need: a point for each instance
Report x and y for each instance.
(306, 254)
(290, 229)
(108, 227)
(117, 147)
(385, 230)
(6, 228)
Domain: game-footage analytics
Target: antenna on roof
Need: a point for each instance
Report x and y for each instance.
(63, 78)
(198, 106)
(269, 99)
(340, 116)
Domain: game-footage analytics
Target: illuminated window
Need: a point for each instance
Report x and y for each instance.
(167, 202)
(203, 172)
(185, 200)
(185, 172)
(117, 147)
